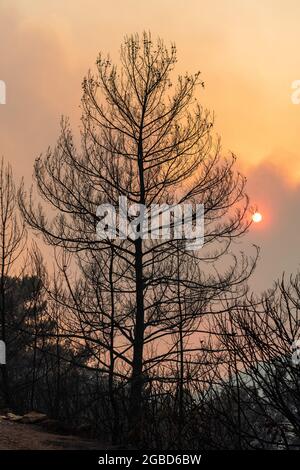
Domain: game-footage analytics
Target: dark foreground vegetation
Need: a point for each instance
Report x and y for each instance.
(143, 343)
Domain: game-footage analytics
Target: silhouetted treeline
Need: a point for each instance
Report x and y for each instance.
(247, 399)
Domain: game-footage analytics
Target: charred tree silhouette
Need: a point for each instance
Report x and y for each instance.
(12, 243)
(148, 139)
(260, 338)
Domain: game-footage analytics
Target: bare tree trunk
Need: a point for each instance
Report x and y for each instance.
(181, 358)
(135, 403)
(111, 376)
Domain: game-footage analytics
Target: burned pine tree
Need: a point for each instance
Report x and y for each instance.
(144, 136)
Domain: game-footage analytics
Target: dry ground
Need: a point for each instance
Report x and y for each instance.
(17, 436)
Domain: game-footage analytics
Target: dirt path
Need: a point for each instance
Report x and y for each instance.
(16, 436)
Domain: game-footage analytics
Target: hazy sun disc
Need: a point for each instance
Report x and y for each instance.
(257, 217)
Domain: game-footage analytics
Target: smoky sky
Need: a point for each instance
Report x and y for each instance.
(246, 51)
(278, 234)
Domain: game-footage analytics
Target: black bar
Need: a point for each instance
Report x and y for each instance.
(133, 459)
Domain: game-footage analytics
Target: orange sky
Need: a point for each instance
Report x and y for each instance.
(246, 50)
